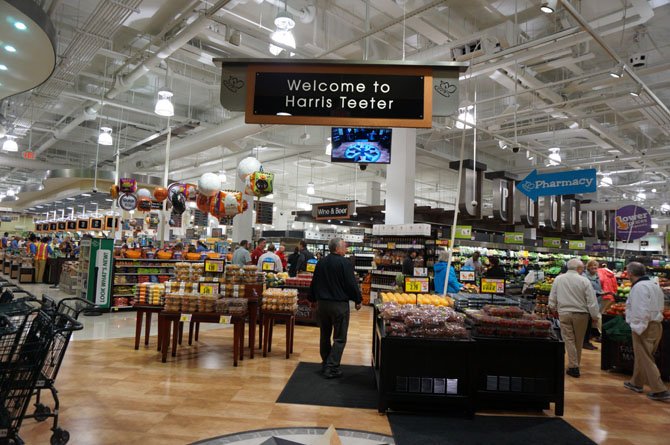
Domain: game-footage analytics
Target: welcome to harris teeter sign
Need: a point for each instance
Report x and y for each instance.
(335, 93)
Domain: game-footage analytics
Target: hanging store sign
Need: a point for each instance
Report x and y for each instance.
(329, 92)
(463, 232)
(577, 244)
(571, 218)
(631, 222)
(513, 238)
(551, 242)
(470, 201)
(333, 210)
(588, 222)
(552, 213)
(503, 195)
(562, 183)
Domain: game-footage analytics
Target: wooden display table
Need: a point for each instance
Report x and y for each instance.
(141, 311)
(269, 319)
(168, 326)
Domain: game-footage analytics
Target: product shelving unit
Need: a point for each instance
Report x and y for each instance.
(94, 278)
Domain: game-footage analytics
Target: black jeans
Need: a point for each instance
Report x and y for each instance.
(333, 317)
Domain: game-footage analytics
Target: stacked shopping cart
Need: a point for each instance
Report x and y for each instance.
(33, 338)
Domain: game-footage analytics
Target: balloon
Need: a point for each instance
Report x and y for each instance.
(176, 187)
(178, 203)
(203, 202)
(190, 192)
(247, 186)
(247, 166)
(232, 203)
(209, 184)
(160, 193)
(144, 204)
(261, 183)
(114, 191)
(143, 193)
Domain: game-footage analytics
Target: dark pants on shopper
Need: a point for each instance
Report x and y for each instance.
(333, 319)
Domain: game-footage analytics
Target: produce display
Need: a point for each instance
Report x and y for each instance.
(542, 306)
(470, 288)
(243, 274)
(280, 300)
(422, 321)
(507, 321)
(424, 299)
(301, 280)
(544, 286)
(624, 290)
(150, 293)
(276, 279)
(616, 309)
(188, 271)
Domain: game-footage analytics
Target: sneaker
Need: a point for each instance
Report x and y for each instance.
(333, 373)
(663, 395)
(573, 372)
(590, 347)
(632, 387)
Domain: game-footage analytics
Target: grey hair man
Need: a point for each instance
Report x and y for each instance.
(644, 314)
(575, 300)
(334, 284)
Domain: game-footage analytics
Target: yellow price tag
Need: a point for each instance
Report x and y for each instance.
(413, 286)
(269, 266)
(311, 267)
(186, 318)
(206, 289)
(492, 286)
(211, 266)
(225, 319)
(390, 245)
(489, 288)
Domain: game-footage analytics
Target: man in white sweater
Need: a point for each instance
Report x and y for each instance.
(575, 300)
(644, 314)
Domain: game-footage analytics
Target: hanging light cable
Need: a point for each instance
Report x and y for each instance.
(310, 184)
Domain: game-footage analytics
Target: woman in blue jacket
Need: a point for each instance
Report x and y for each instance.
(440, 269)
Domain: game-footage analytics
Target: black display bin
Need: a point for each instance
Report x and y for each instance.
(618, 355)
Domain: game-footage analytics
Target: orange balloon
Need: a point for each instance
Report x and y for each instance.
(114, 191)
(203, 202)
(160, 193)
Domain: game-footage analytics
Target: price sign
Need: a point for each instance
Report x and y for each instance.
(420, 272)
(186, 318)
(311, 265)
(214, 266)
(463, 232)
(467, 275)
(269, 265)
(577, 244)
(416, 285)
(493, 286)
(390, 246)
(225, 319)
(208, 288)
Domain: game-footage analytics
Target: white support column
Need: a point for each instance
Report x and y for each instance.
(400, 177)
(373, 193)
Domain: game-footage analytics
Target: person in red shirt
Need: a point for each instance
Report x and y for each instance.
(258, 251)
(282, 256)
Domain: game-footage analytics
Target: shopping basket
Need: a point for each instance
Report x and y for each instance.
(70, 307)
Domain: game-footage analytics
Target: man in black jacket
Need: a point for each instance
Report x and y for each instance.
(305, 256)
(333, 285)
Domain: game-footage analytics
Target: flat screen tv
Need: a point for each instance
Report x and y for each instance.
(361, 145)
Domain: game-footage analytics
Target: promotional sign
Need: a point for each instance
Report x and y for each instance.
(513, 238)
(631, 222)
(53, 227)
(209, 288)
(416, 285)
(493, 286)
(311, 265)
(577, 244)
(420, 271)
(561, 183)
(61, 226)
(264, 212)
(82, 224)
(333, 210)
(551, 242)
(127, 201)
(72, 225)
(268, 265)
(103, 262)
(95, 224)
(467, 275)
(463, 232)
(214, 266)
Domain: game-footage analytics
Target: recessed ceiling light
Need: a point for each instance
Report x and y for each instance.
(20, 26)
(3, 67)
(10, 49)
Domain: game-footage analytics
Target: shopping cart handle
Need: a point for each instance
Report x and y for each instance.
(65, 323)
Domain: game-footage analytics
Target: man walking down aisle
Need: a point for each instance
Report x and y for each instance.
(644, 314)
(575, 300)
(333, 285)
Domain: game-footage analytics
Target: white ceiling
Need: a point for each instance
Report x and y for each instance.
(539, 81)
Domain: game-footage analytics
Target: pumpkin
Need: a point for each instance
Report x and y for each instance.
(160, 194)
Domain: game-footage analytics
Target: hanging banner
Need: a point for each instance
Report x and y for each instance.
(631, 222)
(344, 93)
(463, 232)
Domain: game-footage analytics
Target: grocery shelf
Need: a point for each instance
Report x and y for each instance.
(385, 272)
(397, 246)
(138, 274)
(381, 286)
(363, 267)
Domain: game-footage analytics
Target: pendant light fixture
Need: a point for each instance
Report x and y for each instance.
(465, 118)
(554, 157)
(283, 34)
(549, 6)
(606, 181)
(10, 144)
(105, 136)
(310, 184)
(164, 106)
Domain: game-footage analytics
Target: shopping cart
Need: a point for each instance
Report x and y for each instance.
(25, 342)
(70, 307)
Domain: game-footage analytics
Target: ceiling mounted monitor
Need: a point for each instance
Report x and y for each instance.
(361, 145)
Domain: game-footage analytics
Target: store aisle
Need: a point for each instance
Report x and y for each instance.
(112, 394)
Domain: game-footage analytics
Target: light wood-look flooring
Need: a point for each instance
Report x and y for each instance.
(112, 394)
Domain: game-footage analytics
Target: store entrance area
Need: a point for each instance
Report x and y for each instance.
(111, 393)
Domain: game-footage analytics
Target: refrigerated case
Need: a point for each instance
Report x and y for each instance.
(94, 282)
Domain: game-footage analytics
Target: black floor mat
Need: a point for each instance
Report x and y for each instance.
(410, 429)
(355, 389)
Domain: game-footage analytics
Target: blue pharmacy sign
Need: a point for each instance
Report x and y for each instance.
(561, 183)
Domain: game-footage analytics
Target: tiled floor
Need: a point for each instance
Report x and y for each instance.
(112, 394)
